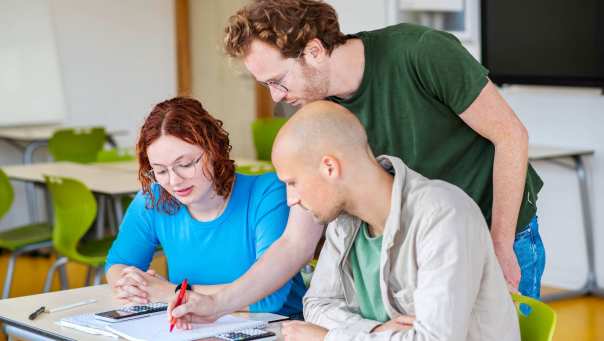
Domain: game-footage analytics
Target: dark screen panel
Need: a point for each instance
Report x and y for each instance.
(544, 42)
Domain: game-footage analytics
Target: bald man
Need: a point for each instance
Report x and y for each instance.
(405, 257)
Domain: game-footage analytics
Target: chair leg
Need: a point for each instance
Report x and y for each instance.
(12, 260)
(98, 275)
(88, 276)
(100, 217)
(10, 271)
(58, 263)
(111, 214)
(63, 277)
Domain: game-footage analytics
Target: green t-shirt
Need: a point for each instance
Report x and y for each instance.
(365, 263)
(415, 84)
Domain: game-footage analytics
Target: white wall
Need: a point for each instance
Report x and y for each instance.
(356, 16)
(117, 59)
(29, 65)
(571, 118)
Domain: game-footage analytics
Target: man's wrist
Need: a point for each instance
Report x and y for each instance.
(502, 240)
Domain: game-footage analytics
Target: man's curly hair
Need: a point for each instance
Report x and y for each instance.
(286, 24)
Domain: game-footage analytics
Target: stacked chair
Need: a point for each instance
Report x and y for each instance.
(19, 239)
(537, 319)
(264, 131)
(77, 145)
(74, 211)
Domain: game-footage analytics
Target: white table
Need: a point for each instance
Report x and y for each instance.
(558, 155)
(29, 138)
(100, 179)
(14, 313)
(110, 179)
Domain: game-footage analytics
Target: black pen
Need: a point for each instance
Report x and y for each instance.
(36, 313)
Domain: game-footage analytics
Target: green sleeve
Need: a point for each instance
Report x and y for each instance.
(448, 71)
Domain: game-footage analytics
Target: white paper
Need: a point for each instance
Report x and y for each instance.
(157, 327)
(86, 323)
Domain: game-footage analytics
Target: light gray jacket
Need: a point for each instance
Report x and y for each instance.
(437, 263)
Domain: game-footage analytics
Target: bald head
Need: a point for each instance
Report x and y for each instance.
(321, 128)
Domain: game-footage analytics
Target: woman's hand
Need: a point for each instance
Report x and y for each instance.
(137, 286)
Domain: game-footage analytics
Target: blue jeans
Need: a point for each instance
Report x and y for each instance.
(531, 258)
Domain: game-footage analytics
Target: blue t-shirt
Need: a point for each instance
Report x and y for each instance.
(217, 251)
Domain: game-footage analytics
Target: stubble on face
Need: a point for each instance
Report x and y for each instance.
(316, 84)
(330, 215)
(330, 208)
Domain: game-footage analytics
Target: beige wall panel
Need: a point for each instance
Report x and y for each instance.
(223, 87)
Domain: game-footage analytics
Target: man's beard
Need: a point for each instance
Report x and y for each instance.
(316, 84)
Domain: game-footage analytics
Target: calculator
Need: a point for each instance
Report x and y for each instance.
(132, 312)
(248, 334)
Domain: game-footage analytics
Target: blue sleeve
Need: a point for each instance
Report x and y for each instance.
(271, 213)
(136, 240)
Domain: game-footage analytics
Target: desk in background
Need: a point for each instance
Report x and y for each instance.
(100, 179)
(14, 313)
(110, 179)
(557, 156)
(30, 138)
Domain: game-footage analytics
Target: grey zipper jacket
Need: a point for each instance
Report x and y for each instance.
(437, 263)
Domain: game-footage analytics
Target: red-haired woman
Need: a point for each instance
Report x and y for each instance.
(212, 223)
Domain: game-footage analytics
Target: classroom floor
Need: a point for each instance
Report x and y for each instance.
(579, 319)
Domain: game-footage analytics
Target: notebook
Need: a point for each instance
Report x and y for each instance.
(86, 323)
(156, 327)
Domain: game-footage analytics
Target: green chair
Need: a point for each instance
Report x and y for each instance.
(115, 155)
(74, 210)
(264, 131)
(20, 239)
(308, 271)
(77, 145)
(255, 169)
(538, 322)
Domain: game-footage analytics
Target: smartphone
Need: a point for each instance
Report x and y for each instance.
(248, 334)
(132, 312)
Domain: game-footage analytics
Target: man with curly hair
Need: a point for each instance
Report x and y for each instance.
(421, 97)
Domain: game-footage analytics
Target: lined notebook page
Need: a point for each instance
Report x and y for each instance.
(157, 327)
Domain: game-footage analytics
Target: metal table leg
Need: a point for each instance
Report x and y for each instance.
(100, 216)
(30, 190)
(117, 205)
(590, 287)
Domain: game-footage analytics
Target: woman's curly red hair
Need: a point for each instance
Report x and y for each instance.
(186, 119)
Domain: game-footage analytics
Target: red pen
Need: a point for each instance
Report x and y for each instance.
(181, 296)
